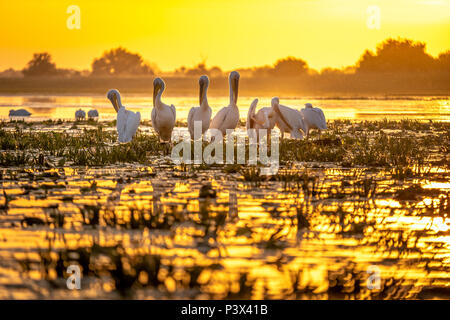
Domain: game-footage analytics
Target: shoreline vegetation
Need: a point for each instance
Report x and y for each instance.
(391, 144)
(398, 67)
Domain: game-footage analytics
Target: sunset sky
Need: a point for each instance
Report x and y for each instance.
(227, 33)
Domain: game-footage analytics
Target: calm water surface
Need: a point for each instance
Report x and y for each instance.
(276, 239)
(64, 107)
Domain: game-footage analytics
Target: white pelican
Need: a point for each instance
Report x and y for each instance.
(127, 121)
(260, 119)
(92, 114)
(163, 115)
(228, 117)
(203, 112)
(19, 113)
(313, 118)
(80, 115)
(287, 119)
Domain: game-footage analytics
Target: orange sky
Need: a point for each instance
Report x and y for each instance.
(227, 33)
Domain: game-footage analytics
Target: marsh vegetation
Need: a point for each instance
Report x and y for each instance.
(367, 194)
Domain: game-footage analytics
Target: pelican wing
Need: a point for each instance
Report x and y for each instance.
(281, 116)
(174, 111)
(190, 121)
(122, 117)
(79, 114)
(219, 119)
(322, 119)
(163, 121)
(133, 121)
(19, 113)
(93, 113)
(251, 115)
(314, 117)
(296, 134)
(267, 122)
(154, 121)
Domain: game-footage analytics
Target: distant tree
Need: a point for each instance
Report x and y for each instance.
(215, 72)
(198, 70)
(40, 65)
(444, 61)
(401, 55)
(120, 61)
(11, 73)
(290, 67)
(333, 71)
(287, 67)
(246, 72)
(329, 72)
(69, 73)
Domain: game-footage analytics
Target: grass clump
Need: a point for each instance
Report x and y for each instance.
(87, 148)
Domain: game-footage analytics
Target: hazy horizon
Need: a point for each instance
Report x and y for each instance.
(172, 34)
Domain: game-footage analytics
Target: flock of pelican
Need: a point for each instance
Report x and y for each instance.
(296, 123)
(163, 116)
(81, 114)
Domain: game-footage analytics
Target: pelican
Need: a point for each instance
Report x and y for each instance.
(127, 121)
(163, 115)
(287, 119)
(260, 119)
(313, 118)
(80, 115)
(92, 114)
(228, 117)
(203, 112)
(19, 113)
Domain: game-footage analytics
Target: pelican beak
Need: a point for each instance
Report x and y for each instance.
(202, 89)
(155, 92)
(115, 102)
(235, 89)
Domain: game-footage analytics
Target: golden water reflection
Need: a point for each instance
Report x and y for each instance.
(246, 242)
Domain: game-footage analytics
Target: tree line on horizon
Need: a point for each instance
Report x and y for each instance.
(391, 56)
